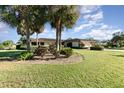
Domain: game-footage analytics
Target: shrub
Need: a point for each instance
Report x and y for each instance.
(33, 48)
(52, 49)
(21, 47)
(25, 55)
(8, 43)
(40, 51)
(82, 45)
(96, 47)
(13, 47)
(18, 46)
(66, 51)
(1, 46)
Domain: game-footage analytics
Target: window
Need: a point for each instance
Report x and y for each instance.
(33, 43)
(41, 43)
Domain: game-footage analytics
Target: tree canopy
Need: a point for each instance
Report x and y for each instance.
(29, 19)
(61, 17)
(26, 18)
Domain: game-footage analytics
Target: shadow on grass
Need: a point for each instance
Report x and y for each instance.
(9, 55)
(118, 55)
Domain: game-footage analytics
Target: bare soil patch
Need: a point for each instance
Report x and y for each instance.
(50, 59)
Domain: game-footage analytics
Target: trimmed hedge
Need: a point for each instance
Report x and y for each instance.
(67, 52)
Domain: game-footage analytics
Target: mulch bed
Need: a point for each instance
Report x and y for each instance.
(50, 59)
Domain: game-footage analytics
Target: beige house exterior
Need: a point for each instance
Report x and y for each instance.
(43, 41)
(78, 43)
(73, 43)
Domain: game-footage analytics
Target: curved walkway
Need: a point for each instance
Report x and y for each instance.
(113, 50)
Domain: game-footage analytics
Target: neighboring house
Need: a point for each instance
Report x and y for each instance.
(43, 41)
(103, 43)
(79, 43)
(73, 43)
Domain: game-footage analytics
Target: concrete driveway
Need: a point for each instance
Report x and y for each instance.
(113, 50)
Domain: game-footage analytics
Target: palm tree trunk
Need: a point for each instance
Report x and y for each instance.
(37, 39)
(57, 42)
(60, 38)
(28, 41)
(57, 38)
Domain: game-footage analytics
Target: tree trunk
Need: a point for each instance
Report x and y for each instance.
(37, 39)
(57, 42)
(57, 38)
(60, 37)
(28, 40)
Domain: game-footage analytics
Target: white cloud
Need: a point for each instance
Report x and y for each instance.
(102, 33)
(95, 17)
(77, 29)
(88, 9)
(83, 26)
(93, 20)
(53, 30)
(45, 31)
(92, 16)
(99, 30)
(104, 26)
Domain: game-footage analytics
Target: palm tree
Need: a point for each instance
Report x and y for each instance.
(62, 17)
(3, 7)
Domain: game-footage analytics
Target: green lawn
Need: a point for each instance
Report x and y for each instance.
(99, 69)
(9, 53)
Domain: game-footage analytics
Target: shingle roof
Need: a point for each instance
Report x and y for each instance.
(43, 40)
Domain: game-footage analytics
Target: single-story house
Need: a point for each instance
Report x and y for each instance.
(73, 43)
(43, 41)
(79, 43)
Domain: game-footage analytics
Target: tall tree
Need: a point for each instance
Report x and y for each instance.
(25, 18)
(40, 19)
(2, 8)
(62, 17)
(20, 17)
(118, 39)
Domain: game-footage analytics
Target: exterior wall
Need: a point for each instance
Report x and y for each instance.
(65, 44)
(87, 46)
(41, 43)
(75, 44)
(46, 44)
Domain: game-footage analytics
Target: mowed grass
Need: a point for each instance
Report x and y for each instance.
(99, 69)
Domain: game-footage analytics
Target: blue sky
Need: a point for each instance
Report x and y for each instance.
(98, 22)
